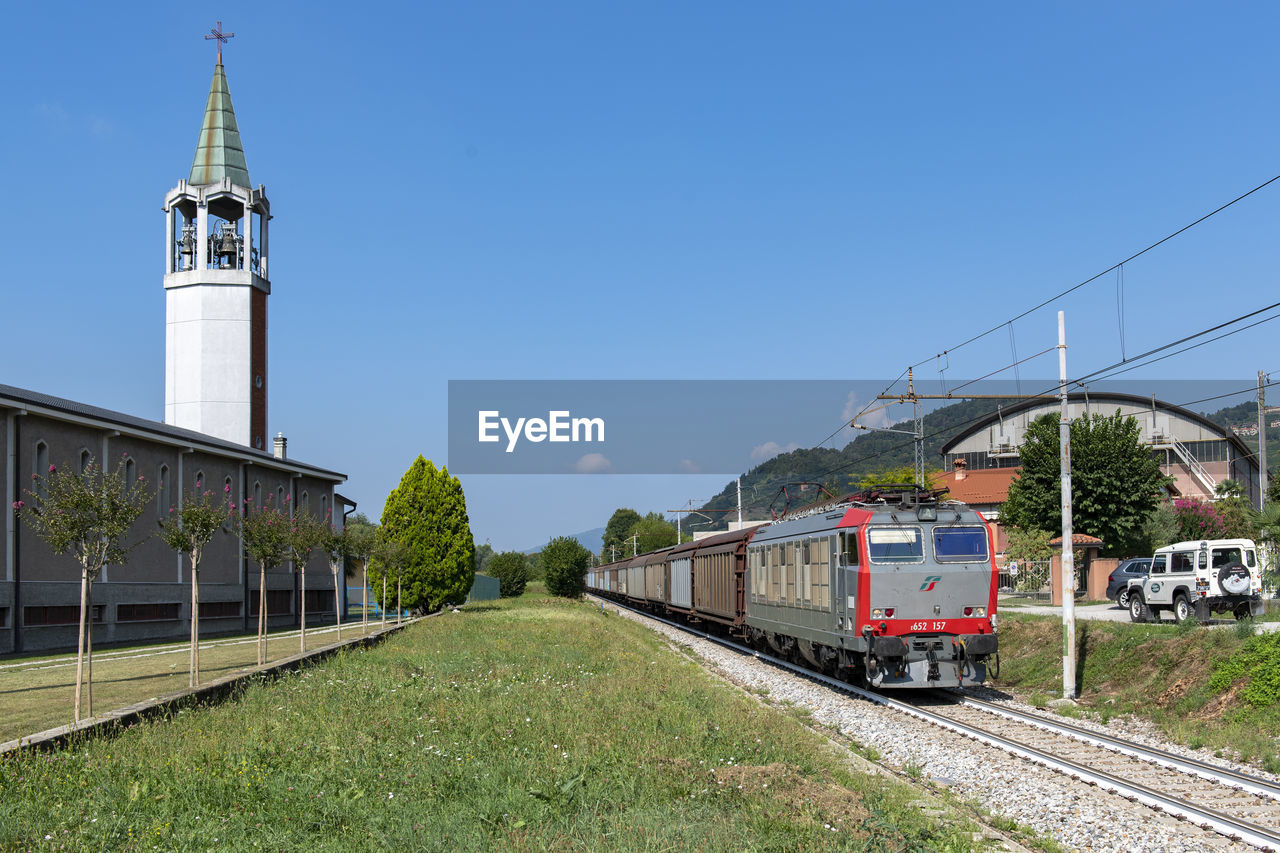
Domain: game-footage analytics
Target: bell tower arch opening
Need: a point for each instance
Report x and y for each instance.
(216, 284)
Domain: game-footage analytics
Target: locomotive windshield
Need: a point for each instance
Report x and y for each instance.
(960, 544)
(895, 545)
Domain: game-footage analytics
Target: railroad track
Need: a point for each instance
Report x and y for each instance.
(1236, 805)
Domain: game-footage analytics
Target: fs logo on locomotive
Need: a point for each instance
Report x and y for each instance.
(557, 427)
(929, 583)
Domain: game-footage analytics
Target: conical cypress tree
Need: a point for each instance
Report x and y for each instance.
(427, 513)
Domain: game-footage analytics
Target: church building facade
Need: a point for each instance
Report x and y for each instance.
(214, 434)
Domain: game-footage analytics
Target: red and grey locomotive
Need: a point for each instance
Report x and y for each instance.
(892, 586)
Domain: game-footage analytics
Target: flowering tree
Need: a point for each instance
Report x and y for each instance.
(306, 534)
(87, 515)
(188, 529)
(335, 545)
(1198, 519)
(360, 539)
(265, 532)
(390, 558)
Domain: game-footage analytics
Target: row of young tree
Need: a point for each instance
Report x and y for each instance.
(1118, 494)
(424, 543)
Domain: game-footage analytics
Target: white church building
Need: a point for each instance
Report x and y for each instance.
(214, 431)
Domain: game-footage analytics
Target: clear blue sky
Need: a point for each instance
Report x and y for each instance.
(597, 190)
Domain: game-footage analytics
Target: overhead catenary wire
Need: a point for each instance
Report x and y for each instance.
(846, 423)
(1111, 370)
(1109, 269)
(1102, 373)
(1120, 306)
(1251, 390)
(1118, 268)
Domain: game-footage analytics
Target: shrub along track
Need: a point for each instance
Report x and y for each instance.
(1233, 805)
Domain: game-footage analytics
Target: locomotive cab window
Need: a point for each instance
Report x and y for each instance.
(848, 545)
(960, 544)
(895, 545)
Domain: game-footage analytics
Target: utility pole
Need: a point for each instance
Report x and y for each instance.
(919, 428)
(1068, 555)
(635, 544)
(739, 503)
(1262, 439)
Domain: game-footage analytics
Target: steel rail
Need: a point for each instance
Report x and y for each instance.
(1219, 822)
(1191, 766)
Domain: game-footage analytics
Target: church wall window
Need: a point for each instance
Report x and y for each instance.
(163, 498)
(41, 469)
(148, 612)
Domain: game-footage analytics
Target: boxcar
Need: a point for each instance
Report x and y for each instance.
(719, 566)
(635, 578)
(655, 577)
(680, 585)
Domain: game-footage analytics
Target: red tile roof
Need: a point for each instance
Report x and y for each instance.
(985, 486)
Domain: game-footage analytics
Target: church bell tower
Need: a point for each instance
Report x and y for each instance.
(216, 284)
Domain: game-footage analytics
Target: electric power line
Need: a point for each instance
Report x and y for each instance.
(1109, 269)
(1097, 374)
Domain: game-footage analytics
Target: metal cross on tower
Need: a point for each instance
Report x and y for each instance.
(217, 34)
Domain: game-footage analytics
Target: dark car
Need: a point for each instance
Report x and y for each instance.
(1118, 581)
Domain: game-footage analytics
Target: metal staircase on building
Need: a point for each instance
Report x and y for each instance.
(1168, 442)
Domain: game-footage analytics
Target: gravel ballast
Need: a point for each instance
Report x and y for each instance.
(1076, 815)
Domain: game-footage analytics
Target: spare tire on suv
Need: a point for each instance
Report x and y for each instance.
(1234, 579)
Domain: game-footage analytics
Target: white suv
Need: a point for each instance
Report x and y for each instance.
(1196, 579)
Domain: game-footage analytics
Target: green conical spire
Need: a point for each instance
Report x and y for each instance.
(219, 153)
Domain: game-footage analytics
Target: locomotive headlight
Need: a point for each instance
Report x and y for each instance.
(877, 613)
(975, 611)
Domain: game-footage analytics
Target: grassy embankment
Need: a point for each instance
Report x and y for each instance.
(532, 724)
(36, 692)
(1217, 688)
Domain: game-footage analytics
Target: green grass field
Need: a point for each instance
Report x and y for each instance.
(531, 724)
(1205, 687)
(36, 692)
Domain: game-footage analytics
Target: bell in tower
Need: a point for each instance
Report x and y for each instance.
(224, 247)
(216, 286)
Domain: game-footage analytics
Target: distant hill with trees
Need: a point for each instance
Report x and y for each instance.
(846, 469)
(1246, 414)
(839, 470)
